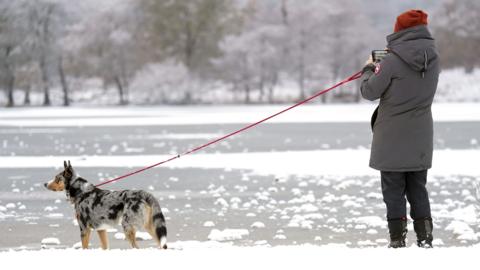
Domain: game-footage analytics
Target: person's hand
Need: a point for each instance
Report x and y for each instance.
(369, 61)
(369, 65)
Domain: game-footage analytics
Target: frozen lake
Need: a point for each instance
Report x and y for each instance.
(274, 209)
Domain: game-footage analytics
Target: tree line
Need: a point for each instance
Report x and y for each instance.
(198, 51)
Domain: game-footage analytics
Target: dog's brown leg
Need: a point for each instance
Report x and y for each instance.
(130, 235)
(149, 227)
(102, 234)
(85, 237)
(151, 230)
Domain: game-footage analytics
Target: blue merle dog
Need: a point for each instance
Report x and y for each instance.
(98, 209)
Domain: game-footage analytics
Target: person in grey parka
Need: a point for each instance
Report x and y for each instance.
(405, 81)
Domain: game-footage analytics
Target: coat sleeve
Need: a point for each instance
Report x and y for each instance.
(375, 83)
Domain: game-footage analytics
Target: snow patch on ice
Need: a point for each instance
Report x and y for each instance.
(227, 234)
(257, 225)
(50, 241)
(208, 224)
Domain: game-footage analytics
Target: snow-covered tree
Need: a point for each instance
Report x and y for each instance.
(161, 83)
(188, 30)
(251, 60)
(456, 27)
(108, 43)
(328, 40)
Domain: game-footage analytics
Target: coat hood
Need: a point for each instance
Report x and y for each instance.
(415, 46)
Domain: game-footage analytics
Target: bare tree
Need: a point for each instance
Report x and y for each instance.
(40, 22)
(11, 39)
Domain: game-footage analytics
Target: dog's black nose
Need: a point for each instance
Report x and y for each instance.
(45, 185)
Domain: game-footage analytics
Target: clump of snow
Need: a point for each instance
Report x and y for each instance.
(50, 241)
(306, 208)
(227, 234)
(10, 206)
(462, 230)
(300, 221)
(366, 243)
(49, 208)
(467, 214)
(381, 241)
(437, 242)
(221, 202)
(208, 224)
(143, 236)
(77, 245)
(374, 195)
(119, 236)
(360, 227)
(55, 215)
(303, 199)
(257, 225)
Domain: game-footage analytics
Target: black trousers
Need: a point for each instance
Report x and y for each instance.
(398, 187)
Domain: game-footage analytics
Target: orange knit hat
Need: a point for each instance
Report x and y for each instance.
(410, 18)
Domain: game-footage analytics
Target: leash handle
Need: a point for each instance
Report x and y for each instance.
(347, 80)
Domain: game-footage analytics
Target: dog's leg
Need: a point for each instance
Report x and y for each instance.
(151, 230)
(85, 235)
(130, 235)
(149, 227)
(102, 234)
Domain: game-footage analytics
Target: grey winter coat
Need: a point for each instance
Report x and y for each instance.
(405, 81)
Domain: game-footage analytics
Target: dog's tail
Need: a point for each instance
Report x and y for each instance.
(157, 221)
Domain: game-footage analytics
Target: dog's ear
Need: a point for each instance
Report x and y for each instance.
(68, 173)
(65, 165)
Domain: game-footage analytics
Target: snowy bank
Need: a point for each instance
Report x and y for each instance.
(454, 85)
(222, 257)
(198, 115)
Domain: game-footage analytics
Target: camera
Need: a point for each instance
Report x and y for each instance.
(378, 55)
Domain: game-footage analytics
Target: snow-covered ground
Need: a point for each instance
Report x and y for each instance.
(203, 256)
(278, 195)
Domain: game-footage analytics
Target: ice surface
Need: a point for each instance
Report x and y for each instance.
(333, 162)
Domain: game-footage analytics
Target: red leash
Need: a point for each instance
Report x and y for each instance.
(349, 79)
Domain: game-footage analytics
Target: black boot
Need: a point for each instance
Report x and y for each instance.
(398, 232)
(423, 228)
